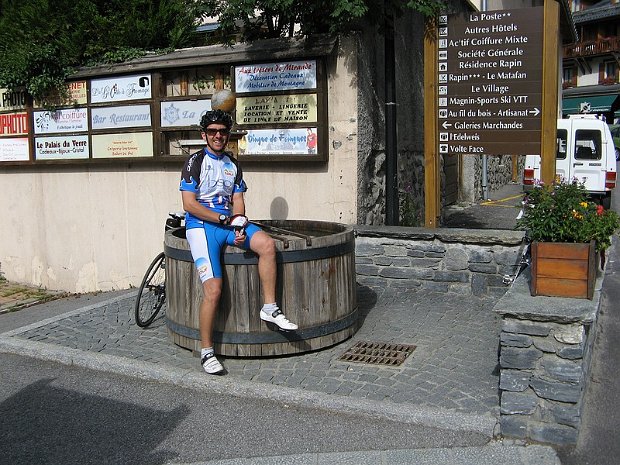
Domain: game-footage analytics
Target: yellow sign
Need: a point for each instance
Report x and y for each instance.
(126, 145)
(76, 95)
(269, 109)
(77, 92)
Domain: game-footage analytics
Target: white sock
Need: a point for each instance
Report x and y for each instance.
(269, 308)
(206, 351)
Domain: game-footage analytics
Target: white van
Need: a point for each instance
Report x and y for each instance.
(585, 152)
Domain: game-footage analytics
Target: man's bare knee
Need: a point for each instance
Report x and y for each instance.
(212, 291)
(263, 245)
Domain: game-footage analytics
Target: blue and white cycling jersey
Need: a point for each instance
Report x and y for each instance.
(214, 180)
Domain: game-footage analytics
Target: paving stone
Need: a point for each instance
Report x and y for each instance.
(514, 380)
(522, 403)
(563, 370)
(515, 357)
(453, 343)
(562, 413)
(571, 352)
(550, 433)
(514, 426)
(525, 327)
(515, 340)
(563, 392)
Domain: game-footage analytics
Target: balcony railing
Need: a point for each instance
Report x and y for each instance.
(592, 47)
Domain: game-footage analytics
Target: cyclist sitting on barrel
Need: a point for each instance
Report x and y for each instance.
(212, 190)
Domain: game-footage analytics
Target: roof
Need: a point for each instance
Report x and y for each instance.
(591, 90)
(567, 24)
(602, 10)
(269, 49)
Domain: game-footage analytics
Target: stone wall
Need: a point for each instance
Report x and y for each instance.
(445, 260)
(371, 172)
(545, 347)
(409, 52)
(499, 173)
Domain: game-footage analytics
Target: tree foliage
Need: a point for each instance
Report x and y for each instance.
(277, 18)
(43, 41)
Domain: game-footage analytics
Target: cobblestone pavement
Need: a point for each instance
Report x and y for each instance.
(453, 366)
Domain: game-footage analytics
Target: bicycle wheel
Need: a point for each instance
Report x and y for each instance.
(152, 293)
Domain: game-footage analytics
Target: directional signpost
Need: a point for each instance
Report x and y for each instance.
(489, 83)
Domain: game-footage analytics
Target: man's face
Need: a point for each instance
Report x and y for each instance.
(216, 136)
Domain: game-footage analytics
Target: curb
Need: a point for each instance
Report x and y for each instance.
(490, 454)
(198, 381)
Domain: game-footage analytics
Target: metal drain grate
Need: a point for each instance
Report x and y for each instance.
(377, 353)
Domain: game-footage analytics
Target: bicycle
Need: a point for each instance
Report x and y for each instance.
(152, 292)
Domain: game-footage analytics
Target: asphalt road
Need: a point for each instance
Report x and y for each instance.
(499, 211)
(599, 438)
(57, 414)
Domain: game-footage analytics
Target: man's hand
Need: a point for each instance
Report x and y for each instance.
(239, 222)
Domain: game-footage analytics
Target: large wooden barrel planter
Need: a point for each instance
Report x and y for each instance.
(316, 290)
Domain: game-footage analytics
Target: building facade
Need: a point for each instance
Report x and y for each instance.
(591, 66)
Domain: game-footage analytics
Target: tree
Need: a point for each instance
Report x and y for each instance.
(276, 18)
(43, 41)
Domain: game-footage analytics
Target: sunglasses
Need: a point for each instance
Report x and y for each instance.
(212, 132)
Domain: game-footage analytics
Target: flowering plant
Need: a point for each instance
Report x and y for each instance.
(563, 213)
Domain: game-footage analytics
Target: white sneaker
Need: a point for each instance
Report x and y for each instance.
(278, 318)
(211, 364)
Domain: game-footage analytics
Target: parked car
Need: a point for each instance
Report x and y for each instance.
(615, 133)
(585, 152)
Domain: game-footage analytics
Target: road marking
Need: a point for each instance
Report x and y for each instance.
(496, 202)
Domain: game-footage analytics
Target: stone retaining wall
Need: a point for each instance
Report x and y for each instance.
(545, 347)
(545, 342)
(445, 260)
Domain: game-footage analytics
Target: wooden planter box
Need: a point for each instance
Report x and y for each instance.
(563, 269)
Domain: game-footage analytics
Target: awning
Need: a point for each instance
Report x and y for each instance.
(588, 104)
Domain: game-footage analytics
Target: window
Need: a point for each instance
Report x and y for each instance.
(588, 144)
(561, 144)
(608, 73)
(185, 96)
(569, 77)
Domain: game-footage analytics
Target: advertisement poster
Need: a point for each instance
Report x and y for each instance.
(14, 149)
(269, 77)
(129, 116)
(276, 109)
(12, 100)
(13, 124)
(61, 148)
(77, 94)
(119, 89)
(183, 112)
(65, 120)
(297, 141)
(137, 144)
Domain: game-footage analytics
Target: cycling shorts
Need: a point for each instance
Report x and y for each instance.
(206, 244)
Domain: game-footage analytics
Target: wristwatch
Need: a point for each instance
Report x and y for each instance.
(223, 218)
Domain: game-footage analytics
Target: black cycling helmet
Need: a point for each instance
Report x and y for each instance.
(216, 116)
